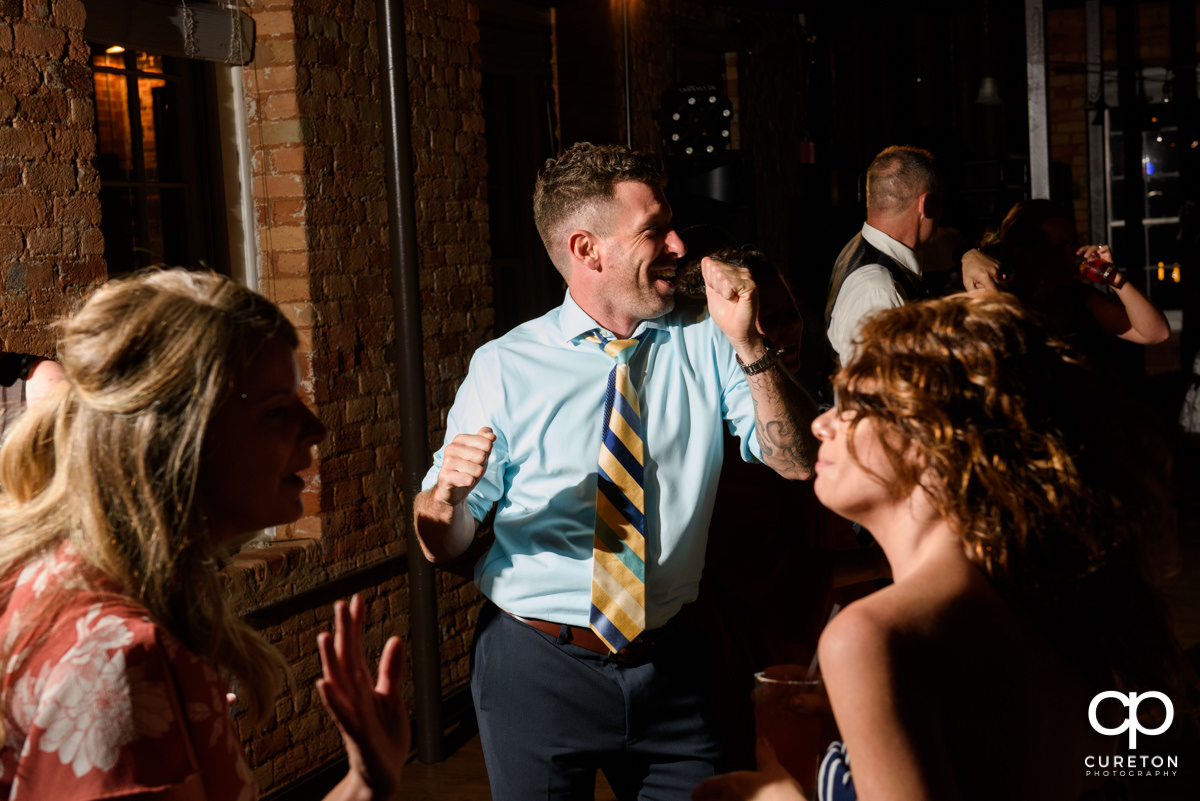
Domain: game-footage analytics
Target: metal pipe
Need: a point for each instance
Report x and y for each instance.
(628, 91)
(410, 368)
(1039, 118)
(1097, 143)
(251, 276)
(1131, 100)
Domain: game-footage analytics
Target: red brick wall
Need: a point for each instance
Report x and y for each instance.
(450, 172)
(316, 130)
(50, 243)
(320, 227)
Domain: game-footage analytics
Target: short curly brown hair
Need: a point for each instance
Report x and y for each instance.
(579, 179)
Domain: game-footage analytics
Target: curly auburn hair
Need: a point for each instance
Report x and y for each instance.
(570, 187)
(1048, 480)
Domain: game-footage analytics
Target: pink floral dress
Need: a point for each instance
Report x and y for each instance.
(109, 704)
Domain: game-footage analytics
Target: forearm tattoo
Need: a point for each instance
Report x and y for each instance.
(783, 415)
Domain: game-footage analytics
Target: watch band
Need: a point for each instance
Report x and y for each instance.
(764, 363)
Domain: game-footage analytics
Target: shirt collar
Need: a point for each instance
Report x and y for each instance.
(890, 247)
(575, 323)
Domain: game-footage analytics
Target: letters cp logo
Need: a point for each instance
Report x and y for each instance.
(1131, 700)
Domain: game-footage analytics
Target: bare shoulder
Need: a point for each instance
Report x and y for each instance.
(866, 633)
(905, 619)
(878, 669)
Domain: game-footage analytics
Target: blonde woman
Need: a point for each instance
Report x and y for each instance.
(177, 431)
(1012, 498)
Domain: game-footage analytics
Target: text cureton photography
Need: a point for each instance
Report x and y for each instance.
(1131, 765)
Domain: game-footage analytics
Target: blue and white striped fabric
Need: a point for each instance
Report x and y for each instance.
(833, 778)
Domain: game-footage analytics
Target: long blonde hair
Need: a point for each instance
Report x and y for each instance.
(110, 462)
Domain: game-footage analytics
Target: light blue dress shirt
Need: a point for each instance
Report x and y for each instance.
(541, 389)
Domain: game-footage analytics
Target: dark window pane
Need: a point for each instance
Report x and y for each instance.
(160, 131)
(1163, 196)
(114, 156)
(118, 209)
(1162, 243)
(1160, 154)
(152, 244)
(1121, 243)
(158, 161)
(173, 217)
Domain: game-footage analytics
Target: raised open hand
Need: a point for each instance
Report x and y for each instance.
(372, 716)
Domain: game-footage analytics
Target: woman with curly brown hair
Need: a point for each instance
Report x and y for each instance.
(980, 453)
(177, 432)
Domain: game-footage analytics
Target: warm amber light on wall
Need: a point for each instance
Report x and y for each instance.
(114, 49)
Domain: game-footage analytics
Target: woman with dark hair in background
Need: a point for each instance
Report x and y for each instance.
(1033, 255)
(1019, 524)
(177, 432)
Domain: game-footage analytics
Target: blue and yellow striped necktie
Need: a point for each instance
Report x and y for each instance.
(618, 613)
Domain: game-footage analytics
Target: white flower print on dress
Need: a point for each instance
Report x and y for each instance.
(87, 710)
(88, 717)
(10, 641)
(46, 571)
(23, 699)
(22, 706)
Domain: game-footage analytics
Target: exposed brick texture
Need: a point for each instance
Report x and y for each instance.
(320, 225)
(321, 213)
(49, 213)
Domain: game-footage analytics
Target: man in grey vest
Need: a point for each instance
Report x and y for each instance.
(878, 269)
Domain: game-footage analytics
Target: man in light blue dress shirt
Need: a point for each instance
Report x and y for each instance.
(554, 706)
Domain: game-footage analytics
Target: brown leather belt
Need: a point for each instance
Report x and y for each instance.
(588, 640)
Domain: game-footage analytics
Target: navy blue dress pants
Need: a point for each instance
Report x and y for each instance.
(551, 714)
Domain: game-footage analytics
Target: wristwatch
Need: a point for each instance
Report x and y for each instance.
(764, 363)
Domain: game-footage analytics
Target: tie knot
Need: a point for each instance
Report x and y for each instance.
(619, 349)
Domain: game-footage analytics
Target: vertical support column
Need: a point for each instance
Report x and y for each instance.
(1039, 120)
(628, 75)
(1097, 174)
(410, 368)
(1130, 243)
